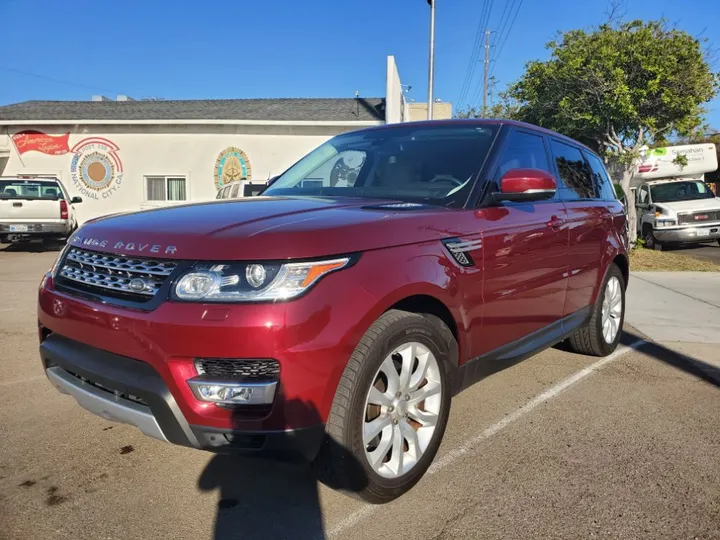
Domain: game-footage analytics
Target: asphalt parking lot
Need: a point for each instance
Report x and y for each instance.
(706, 252)
(559, 446)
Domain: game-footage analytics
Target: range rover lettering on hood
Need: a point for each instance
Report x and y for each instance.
(135, 247)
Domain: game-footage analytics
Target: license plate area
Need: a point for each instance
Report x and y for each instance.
(18, 228)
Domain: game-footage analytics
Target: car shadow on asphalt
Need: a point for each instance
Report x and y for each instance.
(32, 247)
(271, 498)
(693, 366)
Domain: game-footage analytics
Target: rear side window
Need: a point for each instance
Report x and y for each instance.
(603, 185)
(574, 172)
(523, 151)
(234, 192)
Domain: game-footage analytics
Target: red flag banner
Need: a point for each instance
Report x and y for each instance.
(53, 145)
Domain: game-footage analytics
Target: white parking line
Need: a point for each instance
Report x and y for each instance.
(452, 456)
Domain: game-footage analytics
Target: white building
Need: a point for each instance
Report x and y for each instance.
(123, 154)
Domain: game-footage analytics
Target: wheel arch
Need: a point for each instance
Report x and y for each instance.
(623, 263)
(425, 304)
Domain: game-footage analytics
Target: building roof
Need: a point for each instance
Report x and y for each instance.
(277, 110)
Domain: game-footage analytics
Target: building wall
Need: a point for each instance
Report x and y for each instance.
(441, 111)
(118, 158)
(397, 109)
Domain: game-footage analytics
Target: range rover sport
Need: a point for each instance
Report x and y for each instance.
(336, 315)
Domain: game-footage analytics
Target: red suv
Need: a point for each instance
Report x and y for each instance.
(335, 316)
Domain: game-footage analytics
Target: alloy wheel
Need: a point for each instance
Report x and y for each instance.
(611, 309)
(402, 410)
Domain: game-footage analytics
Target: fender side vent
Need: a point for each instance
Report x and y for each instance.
(460, 250)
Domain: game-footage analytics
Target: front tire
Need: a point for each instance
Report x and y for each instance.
(650, 240)
(601, 334)
(390, 409)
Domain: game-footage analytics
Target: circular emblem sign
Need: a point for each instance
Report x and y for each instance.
(96, 169)
(232, 164)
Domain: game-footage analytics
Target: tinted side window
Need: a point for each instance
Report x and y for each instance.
(574, 172)
(523, 151)
(603, 184)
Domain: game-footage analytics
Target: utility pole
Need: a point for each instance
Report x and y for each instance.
(485, 75)
(431, 70)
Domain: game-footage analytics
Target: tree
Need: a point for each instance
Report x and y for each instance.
(617, 88)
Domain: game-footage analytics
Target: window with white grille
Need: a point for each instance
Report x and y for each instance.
(165, 188)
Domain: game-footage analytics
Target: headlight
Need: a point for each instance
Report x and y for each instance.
(256, 282)
(660, 223)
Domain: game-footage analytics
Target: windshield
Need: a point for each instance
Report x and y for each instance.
(16, 188)
(681, 191)
(431, 164)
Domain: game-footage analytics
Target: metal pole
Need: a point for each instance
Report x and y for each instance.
(432, 59)
(485, 75)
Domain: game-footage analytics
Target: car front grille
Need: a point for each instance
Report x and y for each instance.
(138, 279)
(699, 217)
(239, 369)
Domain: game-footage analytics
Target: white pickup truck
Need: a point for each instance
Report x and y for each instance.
(35, 208)
(677, 211)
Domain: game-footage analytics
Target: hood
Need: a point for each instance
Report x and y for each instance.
(267, 228)
(691, 206)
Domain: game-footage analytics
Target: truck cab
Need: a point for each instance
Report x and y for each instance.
(677, 211)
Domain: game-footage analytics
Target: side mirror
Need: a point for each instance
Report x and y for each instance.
(76, 200)
(526, 185)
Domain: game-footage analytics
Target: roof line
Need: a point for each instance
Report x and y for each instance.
(308, 123)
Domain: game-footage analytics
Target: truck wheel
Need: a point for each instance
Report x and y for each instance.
(601, 334)
(649, 238)
(390, 409)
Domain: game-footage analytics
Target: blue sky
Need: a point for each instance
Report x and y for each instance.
(283, 48)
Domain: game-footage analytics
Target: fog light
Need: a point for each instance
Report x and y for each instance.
(216, 392)
(233, 393)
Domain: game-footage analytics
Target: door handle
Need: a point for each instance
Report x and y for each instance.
(17, 204)
(555, 223)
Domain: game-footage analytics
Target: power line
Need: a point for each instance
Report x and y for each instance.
(475, 91)
(480, 88)
(501, 45)
(60, 81)
(475, 53)
(504, 18)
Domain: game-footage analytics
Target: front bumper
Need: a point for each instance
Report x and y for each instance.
(310, 338)
(705, 233)
(124, 390)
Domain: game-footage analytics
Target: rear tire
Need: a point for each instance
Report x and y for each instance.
(593, 338)
(379, 468)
